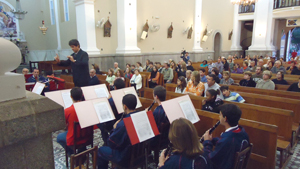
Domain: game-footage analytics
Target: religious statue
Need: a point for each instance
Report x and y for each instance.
(170, 31)
(230, 35)
(107, 28)
(189, 36)
(146, 28)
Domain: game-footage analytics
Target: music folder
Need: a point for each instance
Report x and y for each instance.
(93, 112)
(140, 127)
(94, 92)
(118, 95)
(62, 97)
(38, 88)
(180, 107)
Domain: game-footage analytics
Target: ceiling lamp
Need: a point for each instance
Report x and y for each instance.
(19, 14)
(243, 2)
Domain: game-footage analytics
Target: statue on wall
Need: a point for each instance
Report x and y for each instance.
(170, 31)
(230, 35)
(107, 28)
(146, 28)
(189, 36)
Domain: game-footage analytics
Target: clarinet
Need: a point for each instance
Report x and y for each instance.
(168, 150)
(210, 131)
(151, 106)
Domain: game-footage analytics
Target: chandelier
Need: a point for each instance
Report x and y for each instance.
(243, 2)
(19, 14)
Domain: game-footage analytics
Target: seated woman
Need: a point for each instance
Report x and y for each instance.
(231, 64)
(245, 66)
(237, 69)
(120, 75)
(110, 78)
(173, 65)
(181, 71)
(187, 152)
(190, 66)
(270, 66)
(195, 86)
(181, 85)
(295, 87)
(97, 69)
(226, 78)
(280, 78)
(128, 73)
(136, 80)
(139, 66)
(211, 102)
(248, 81)
(153, 77)
(216, 72)
(204, 63)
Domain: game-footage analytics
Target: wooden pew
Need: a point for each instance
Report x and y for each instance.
(289, 79)
(264, 149)
(67, 78)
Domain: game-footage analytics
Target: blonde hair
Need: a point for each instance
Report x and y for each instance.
(183, 66)
(226, 73)
(196, 75)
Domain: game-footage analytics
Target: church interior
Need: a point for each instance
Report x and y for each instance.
(190, 59)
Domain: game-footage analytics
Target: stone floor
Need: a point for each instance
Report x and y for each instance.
(59, 153)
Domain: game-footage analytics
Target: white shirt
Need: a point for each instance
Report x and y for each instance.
(230, 128)
(215, 87)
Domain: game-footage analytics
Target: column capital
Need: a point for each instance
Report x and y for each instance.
(80, 2)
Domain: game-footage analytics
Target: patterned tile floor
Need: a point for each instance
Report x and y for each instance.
(59, 153)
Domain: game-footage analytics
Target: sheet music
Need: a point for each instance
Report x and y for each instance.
(103, 112)
(100, 92)
(66, 96)
(142, 125)
(189, 111)
(39, 90)
(138, 105)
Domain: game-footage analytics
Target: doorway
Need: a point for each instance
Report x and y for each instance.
(217, 46)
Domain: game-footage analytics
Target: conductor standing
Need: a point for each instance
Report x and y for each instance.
(79, 62)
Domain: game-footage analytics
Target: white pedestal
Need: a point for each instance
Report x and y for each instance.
(12, 86)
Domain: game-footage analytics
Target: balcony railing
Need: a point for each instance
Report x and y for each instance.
(285, 3)
(246, 9)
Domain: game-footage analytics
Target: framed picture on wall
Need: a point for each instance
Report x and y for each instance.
(8, 22)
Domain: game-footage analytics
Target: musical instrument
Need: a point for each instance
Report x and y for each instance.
(210, 131)
(151, 106)
(168, 150)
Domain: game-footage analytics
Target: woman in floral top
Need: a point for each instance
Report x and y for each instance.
(195, 86)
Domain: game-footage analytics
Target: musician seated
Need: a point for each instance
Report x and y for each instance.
(187, 150)
(25, 71)
(231, 96)
(212, 102)
(233, 140)
(159, 94)
(118, 144)
(36, 77)
(105, 128)
(93, 78)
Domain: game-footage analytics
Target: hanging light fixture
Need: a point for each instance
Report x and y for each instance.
(243, 2)
(19, 14)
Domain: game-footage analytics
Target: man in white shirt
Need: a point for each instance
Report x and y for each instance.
(211, 84)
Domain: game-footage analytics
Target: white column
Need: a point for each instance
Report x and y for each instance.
(57, 25)
(236, 33)
(197, 24)
(263, 26)
(127, 27)
(86, 29)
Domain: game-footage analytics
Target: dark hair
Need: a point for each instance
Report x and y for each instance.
(139, 63)
(213, 76)
(130, 101)
(151, 63)
(232, 112)
(76, 93)
(160, 92)
(222, 88)
(133, 65)
(96, 67)
(121, 73)
(213, 92)
(167, 64)
(183, 83)
(216, 70)
(74, 42)
(190, 62)
(203, 70)
(282, 75)
(157, 63)
(204, 61)
(128, 64)
(48, 73)
(119, 83)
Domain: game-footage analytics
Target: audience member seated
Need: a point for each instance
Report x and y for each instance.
(210, 66)
(182, 71)
(181, 85)
(118, 144)
(211, 84)
(266, 82)
(278, 67)
(105, 128)
(36, 77)
(147, 64)
(212, 102)
(245, 66)
(66, 138)
(128, 66)
(136, 80)
(231, 96)
(25, 71)
(93, 78)
(252, 66)
(216, 72)
(195, 86)
(168, 73)
(237, 69)
(226, 78)
(159, 67)
(128, 73)
(296, 70)
(120, 75)
(116, 67)
(150, 67)
(258, 74)
(293, 65)
(187, 151)
(97, 69)
(226, 65)
(219, 65)
(139, 66)
(153, 77)
(270, 65)
(280, 79)
(132, 69)
(231, 64)
(261, 64)
(247, 81)
(185, 57)
(188, 76)
(233, 140)
(173, 65)
(202, 75)
(110, 78)
(295, 87)
(204, 63)
(190, 66)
